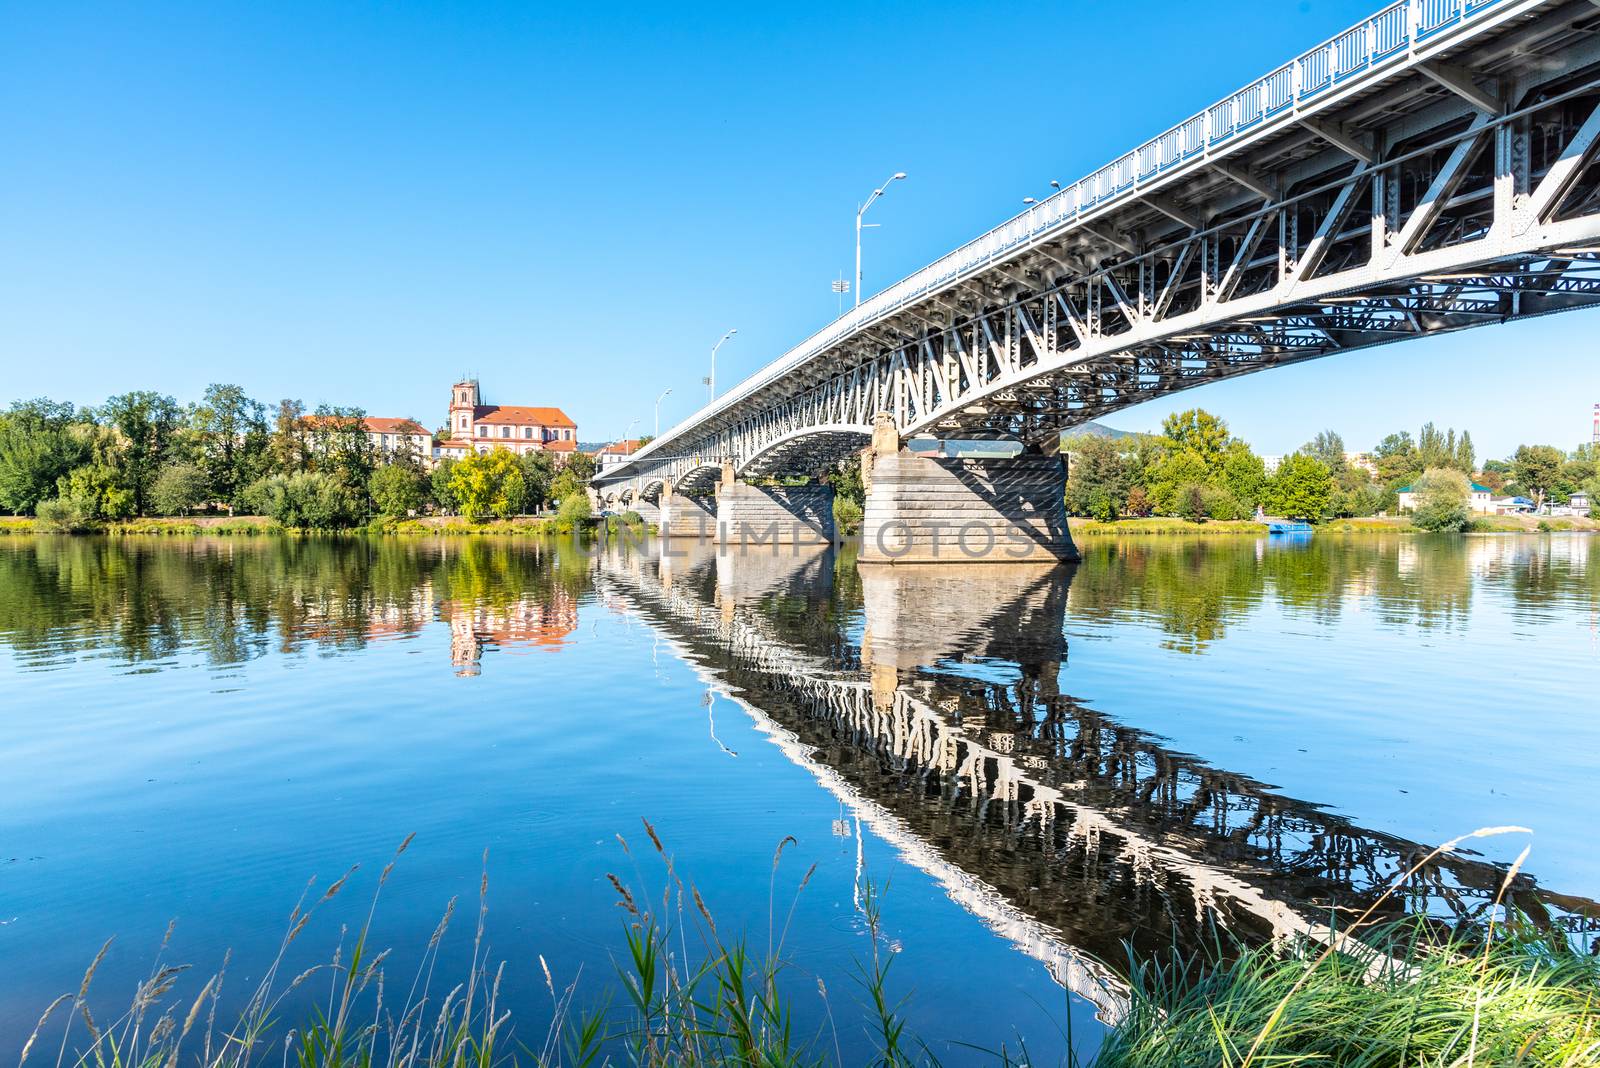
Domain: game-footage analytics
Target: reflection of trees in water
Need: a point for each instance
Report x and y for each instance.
(1195, 588)
(234, 599)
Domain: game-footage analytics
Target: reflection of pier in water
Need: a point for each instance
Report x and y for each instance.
(1064, 831)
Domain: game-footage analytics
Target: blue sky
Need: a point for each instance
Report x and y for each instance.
(356, 203)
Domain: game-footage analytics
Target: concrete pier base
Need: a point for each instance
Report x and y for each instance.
(923, 510)
(686, 517)
(774, 515)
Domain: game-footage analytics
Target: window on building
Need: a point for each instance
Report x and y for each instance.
(527, 431)
(463, 422)
(505, 432)
(483, 431)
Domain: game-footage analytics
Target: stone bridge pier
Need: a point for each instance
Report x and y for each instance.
(773, 515)
(683, 516)
(924, 509)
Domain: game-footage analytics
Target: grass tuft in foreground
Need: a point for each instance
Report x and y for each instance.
(686, 995)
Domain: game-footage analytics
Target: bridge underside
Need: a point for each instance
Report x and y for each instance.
(1460, 191)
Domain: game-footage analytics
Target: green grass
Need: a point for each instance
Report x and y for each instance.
(685, 993)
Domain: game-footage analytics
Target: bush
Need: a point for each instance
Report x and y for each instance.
(96, 492)
(1221, 503)
(489, 485)
(631, 518)
(846, 515)
(1441, 501)
(59, 516)
(397, 489)
(178, 489)
(574, 510)
(310, 501)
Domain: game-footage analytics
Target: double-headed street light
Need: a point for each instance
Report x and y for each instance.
(658, 410)
(876, 193)
(711, 382)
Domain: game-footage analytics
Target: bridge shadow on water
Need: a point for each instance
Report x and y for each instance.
(928, 700)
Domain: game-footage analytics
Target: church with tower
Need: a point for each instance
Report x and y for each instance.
(476, 427)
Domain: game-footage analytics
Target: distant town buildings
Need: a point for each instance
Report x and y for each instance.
(1480, 499)
(608, 456)
(475, 427)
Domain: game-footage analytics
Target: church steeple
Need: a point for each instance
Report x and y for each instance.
(464, 400)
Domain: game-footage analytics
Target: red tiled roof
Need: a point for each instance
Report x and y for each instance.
(626, 447)
(507, 443)
(393, 426)
(511, 413)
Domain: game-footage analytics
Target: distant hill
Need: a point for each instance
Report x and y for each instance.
(1098, 430)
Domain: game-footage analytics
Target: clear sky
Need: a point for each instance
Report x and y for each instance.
(356, 203)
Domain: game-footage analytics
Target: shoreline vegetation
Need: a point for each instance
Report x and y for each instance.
(687, 993)
(524, 526)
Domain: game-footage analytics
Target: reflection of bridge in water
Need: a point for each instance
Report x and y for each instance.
(1064, 831)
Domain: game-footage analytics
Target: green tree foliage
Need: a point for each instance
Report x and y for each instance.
(488, 485)
(180, 488)
(581, 465)
(538, 472)
(1097, 477)
(1169, 478)
(310, 500)
(1537, 469)
(147, 425)
(1244, 475)
(1199, 432)
(96, 491)
(1442, 495)
(39, 443)
(288, 446)
(439, 488)
(568, 483)
(398, 489)
(1328, 447)
(1301, 489)
(574, 510)
(339, 445)
(845, 478)
(1396, 456)
(230, 439)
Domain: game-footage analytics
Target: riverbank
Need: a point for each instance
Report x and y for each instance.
(1168, 526)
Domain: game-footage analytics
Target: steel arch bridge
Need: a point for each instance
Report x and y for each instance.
(1428, 170)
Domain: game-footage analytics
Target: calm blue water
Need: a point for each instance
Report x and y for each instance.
(1039, 765)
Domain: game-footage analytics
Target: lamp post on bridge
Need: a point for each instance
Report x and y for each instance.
(711, 382)
(658, 410)
(1055, 185)
(876, 193)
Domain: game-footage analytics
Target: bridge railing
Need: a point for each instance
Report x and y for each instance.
(1381, 41)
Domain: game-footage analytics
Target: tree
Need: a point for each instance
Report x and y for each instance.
(147, 425)
(231, 435)
(1097, 479)
(1301, 489)
(488, 485)
(444, 497)
(39, 443)
(1442, 495)
(1169, 477)
(398, 489)
(1199, 432)
(1244, 475)
(1396, 456)
(1139, 502)
(1466, 455)
(179, 488)
(339, 445)
(1328, 447)
(288, 449)
(1536, 468)
(581, 464)
(538, 472)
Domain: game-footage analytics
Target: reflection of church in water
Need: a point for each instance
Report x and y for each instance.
(943, 729)
(523, 625)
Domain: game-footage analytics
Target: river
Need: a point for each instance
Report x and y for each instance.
(1031, 769)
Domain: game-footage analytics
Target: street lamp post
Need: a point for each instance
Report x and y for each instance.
(658, 410)
(876, 193)
(711, 382)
